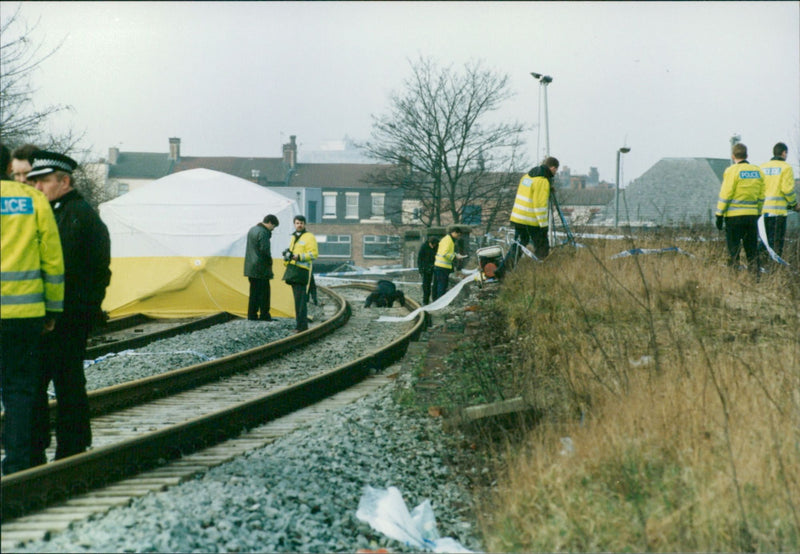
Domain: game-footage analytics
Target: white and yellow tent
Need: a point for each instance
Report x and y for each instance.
(178, 243)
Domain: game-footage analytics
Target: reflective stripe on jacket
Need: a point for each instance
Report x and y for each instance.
(531, 202)
(778, 186)
(306, 248)
(31, 263)
(742, 191)
(446, 253)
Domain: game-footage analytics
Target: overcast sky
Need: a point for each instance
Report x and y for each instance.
(667, 79)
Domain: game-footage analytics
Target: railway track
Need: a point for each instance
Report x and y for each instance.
(138, 439)
(138, 330)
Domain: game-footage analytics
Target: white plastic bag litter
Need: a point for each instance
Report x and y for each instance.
(385, 511)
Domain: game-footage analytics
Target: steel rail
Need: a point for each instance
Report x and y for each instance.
(147, 338)
(116, 397)
(109, 399)
(41, 486)
(120, 324)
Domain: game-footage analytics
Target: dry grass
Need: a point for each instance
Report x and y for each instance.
(678, 383)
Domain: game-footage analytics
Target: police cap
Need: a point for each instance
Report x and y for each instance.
(45, 162)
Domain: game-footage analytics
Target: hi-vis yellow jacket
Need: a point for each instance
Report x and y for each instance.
(446, 253)
(306, 248)
(533, 194)
(31, 261)
(742, 191)
(778, 186)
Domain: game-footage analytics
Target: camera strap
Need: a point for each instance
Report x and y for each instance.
(296, 240)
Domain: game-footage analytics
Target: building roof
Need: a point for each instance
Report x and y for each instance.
(143, 165)
(140, 165)
(269, 169)
(335, 175)
(675, 191)
(584, 197)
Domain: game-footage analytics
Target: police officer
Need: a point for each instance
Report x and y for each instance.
(443, 265)
(87, 256)
(303, 250)
(31, 296)
(779, 196)
(741, 199)
(530, 213)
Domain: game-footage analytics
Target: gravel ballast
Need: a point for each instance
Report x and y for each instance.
(298, 494)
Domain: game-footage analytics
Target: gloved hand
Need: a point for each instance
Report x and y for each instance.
(720, 222)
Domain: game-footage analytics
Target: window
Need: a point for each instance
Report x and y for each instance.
(412, 212)
(351, 207)
(381, 246)
(377, 204)
(328, 204)
(334, 246)
(311, 212)
(471, 215)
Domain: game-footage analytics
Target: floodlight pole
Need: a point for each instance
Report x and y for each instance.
(623, 150)
(545, 80)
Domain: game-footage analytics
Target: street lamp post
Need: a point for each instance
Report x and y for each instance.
(545, 80)
(623, 150)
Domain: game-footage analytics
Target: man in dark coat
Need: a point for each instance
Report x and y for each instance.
(258, 268)
(385, 295)
(425, 260)
(87, 257)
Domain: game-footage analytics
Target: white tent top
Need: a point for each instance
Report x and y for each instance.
(198, 212)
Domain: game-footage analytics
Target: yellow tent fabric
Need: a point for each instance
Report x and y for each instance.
(177, 246)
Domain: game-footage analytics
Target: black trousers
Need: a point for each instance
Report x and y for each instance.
(441, 278)
(63, 352)
(776, 232)
(300, 306)
(526, 234)
(427, 280)
(742, 231)
(21, 377)
(259, 302)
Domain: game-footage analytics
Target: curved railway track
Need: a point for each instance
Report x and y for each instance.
(192, 408)
(138, 330)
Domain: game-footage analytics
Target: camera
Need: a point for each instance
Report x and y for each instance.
(287, 255)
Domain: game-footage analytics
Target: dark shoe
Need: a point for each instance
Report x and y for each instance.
(38, 459)
(268, 318)
(61, 454)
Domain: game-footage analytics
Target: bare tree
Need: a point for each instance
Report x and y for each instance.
(444, 151)
(20, 120)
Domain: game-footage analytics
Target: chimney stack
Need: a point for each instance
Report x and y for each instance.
(290, 152)
(113, 155)
(175, 149)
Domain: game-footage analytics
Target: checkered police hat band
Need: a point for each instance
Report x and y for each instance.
(56, 164)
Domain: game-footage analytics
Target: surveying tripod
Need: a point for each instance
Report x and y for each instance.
(557, 211)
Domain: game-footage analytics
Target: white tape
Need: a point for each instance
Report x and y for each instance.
(762, 234)
(437, 304)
